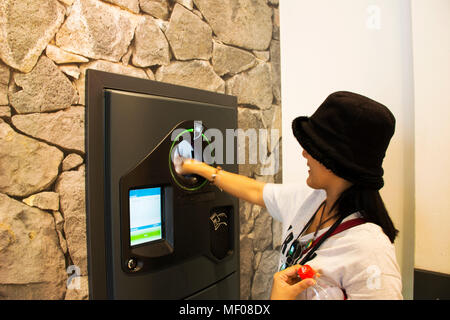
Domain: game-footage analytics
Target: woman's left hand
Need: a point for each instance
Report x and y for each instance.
(287, 285)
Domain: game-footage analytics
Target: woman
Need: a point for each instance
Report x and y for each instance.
(342, 227)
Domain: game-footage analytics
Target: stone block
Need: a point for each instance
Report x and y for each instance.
(189, 36)
(59, 222)
(276, 69)
(156, 8)
(246, 267)
(243, 23)
(71, 70)
(67, 2)
(263, 278)
(253, 87)
(43, 200)
(131, 5)
(231, 60)
(63, 128)
(5, 112)
(26, 27)
(195, 74)
(97, 30)
(189, 4)
(277, 233)
(150, 45)
(262, 55)
(32, 265)
(247, 212)
(27, 166)
(262, 231)
(79, 290)
(60, 56)
(4, 94)
(73, 160)
(4, 74)
(249, 122)
(71, 188)
(45, 88)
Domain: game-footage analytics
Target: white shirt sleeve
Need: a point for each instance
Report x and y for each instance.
(284, 200)
(372, 273)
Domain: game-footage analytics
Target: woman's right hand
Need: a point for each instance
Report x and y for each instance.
(184, 166)
(178, 162)
(287, 285)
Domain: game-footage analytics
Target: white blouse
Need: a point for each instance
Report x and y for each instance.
(357, 263)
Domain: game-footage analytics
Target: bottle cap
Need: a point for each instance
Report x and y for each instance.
(306, 272)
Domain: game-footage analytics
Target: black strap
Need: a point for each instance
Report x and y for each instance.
(310, 221)
(290, 236)
(310, 255)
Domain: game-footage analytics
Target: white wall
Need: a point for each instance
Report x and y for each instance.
(431, 39)
(361, 46)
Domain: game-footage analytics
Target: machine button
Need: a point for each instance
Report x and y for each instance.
(132, 264)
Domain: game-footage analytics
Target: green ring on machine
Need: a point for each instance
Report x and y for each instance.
(170, 162)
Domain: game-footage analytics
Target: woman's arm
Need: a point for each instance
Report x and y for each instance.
(237, 185)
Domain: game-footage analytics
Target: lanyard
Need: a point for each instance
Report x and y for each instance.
(290, 236)
(335, 229)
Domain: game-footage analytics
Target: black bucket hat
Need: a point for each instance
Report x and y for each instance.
(349, 134)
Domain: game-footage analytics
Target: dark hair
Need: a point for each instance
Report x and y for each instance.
(370, 205)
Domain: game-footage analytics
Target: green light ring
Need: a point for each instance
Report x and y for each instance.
(170, 162)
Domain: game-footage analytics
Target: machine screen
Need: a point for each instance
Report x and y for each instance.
(145, 215)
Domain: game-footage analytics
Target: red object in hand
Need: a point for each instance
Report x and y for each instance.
(306, 272)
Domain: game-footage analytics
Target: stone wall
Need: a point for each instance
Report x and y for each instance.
(227, 46)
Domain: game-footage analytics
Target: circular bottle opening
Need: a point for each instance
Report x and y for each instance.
(188, 144)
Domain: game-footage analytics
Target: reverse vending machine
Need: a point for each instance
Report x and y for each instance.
(153, 233)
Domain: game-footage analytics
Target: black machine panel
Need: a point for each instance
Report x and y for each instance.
(165, 236)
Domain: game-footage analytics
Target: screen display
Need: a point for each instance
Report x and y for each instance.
(145, 215)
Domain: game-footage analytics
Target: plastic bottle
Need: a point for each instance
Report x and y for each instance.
(305, 272)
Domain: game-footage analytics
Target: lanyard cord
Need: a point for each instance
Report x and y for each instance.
(311, 220)
(333, 227)
(290, 236)
(310, 255)
(320, 222)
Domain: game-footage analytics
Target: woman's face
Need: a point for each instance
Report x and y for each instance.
(319, 176)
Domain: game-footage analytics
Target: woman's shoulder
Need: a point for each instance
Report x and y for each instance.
(365, 246)
(290, 193)
(367, 239)
(370, 263)
(284, 201)
(291, 187)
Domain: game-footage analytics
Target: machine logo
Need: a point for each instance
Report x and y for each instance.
(217, 220)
